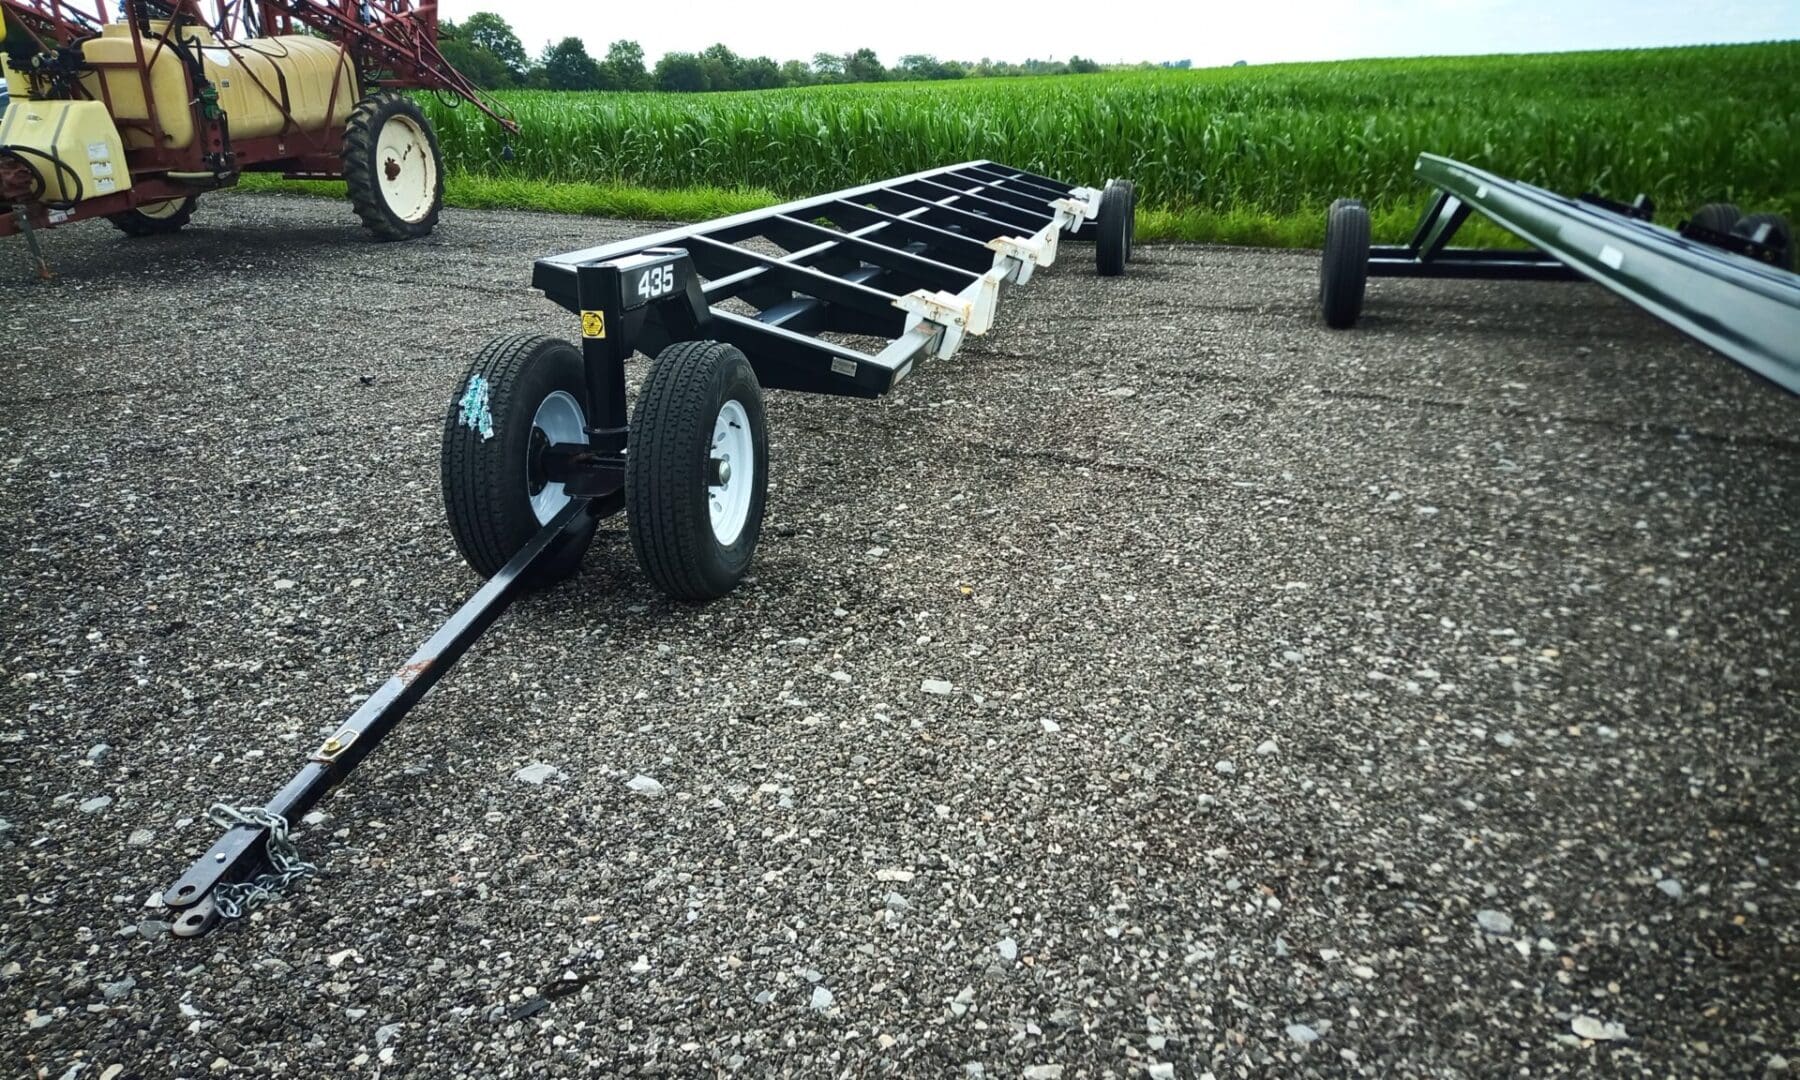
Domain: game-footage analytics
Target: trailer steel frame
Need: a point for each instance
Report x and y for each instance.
(1718, 289)
(919, 261)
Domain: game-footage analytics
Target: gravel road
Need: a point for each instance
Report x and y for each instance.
(1415, 701)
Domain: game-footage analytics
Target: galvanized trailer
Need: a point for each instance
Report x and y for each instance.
(539, 444)
(1724, 278)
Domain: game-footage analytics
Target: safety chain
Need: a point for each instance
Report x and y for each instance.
(235, 899)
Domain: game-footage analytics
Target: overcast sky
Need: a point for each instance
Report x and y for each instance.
(1208, 33)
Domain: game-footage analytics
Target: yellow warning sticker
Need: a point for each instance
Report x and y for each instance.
(593, 324)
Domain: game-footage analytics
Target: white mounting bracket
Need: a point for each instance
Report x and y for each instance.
(1082, 204)
(1029, 252)
(948, 312)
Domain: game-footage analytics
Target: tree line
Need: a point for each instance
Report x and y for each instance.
(486, 49)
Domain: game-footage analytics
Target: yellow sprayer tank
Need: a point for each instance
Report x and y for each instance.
(16, 83)
(255, 80)
(80, 155)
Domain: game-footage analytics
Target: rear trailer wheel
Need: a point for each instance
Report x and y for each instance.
(696, 473)
(1131, 231)
(1780, 238)
(393, 167)
(1114, 229)
(1344, 271)
(522, 394)
(1718, 217)
(154, 219)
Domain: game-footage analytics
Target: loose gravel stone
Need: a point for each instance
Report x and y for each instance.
(118, 991)
(644, 785)
(1494, 922)
(95, 804)
(1588, 1027)
(539, 773)
(939, 687)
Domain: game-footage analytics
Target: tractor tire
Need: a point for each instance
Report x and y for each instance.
(1115, 228)
(1781, 236)
(154, 219)
(1718, 217)
(393, 167)
(522, 393)
(1344, 271)
(693, 522)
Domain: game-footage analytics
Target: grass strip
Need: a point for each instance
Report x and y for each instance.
(1391, 224)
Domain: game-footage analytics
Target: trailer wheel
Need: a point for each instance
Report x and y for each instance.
(154, 219)
(1344, 271)
(1781, 236)
(696, 473)
(1115, 228)
(393, 167)
(522, 393)
(1719, 217)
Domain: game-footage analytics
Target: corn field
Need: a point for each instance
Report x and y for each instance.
(1686, 125)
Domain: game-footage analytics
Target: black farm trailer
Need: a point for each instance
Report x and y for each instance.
(1723, 277)
(539, 445)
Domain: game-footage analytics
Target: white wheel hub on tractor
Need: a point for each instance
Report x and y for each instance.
(408, 169)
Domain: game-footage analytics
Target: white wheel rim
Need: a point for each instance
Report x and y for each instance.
(405, 168)
(732, 445)
(561, 420)
(168, 208)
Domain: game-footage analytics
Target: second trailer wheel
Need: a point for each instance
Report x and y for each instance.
(1115, 230)
(1344, 270)
(522, 394)
(1780, 239)
(697, 473)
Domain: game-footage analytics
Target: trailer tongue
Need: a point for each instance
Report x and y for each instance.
(536, 436)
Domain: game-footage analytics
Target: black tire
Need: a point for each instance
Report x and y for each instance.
(1344, 271)
(487, 466)
(668, 490)
(1131, 230)
(1114, 228)
(1781, 236)
(1718, 217)
(367, 161)
(154, 219)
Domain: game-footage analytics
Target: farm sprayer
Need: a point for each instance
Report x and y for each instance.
(132, 119)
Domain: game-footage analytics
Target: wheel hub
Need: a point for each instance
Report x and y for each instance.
(559, 419)
(732, 468)
(408, 170)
